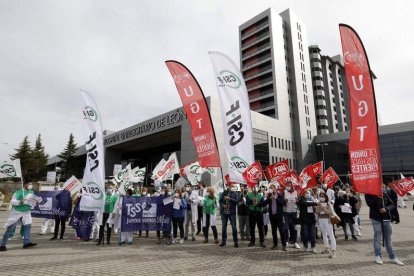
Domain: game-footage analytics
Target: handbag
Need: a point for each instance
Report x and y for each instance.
(335, 219)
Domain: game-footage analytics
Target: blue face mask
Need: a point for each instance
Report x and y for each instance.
(109, 191)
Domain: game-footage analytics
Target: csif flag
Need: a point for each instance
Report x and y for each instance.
(318, 168)
(10, 169)
(235, 112)
(194, 172)
(195, 106)
(329, 177)
(138, 174)
(277, 169)
(364, 155)
(402, 186)
(253, 174)
(93, 182)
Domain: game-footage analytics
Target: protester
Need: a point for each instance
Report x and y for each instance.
(324, 211)
(64, 203)
(110, 200)
(307, 220)
(290, 214)
(209, 214)
(344, 211)
(179, 209)
(275, 200)
(228, 204)
(255, 202)
(191, 216)
(242, 213)
(201, 194)
(395, 215)
(20, 213)
(380, 214)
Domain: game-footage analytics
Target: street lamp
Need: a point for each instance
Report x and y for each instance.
(323, 154)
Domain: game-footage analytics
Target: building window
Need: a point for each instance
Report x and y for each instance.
(279, 143)
(271, 141)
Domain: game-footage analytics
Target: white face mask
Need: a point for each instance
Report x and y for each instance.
(232, 189)
(187, 189)
(30, 186)
(307, 196)
(176, 194)
(322, 200)
(144, 193)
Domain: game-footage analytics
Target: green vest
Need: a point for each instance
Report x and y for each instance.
(209, 205)
(19, 196)
(259, 198)
(110, 203)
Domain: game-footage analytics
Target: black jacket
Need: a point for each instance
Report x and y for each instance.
(341, 201)
(280, 201)
(375, 203)
(304, 216)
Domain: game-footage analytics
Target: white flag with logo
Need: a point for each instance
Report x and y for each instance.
(157, 169)
(194, 172)
(123, 173)
(10, 169)
(138, 174)
(212, 171)
(93, 183)
(169, 168)
(235, 110)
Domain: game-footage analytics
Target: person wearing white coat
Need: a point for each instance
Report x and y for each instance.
(191, 216)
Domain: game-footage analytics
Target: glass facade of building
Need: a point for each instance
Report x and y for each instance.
(261, 147)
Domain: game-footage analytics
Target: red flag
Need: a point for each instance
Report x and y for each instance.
(228, 181)
(402, 186)
(329, 177)
(198, 115)
(318, 168)
(253, 174)
(308, 178)
(364, 155)
(277, 169)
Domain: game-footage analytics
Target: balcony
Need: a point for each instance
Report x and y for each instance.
(254, 29)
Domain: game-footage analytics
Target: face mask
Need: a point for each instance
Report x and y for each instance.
(232, 189)
(307, 196)
(187, 189)
(325, 186)
(30, 186)
(322, 200)
(144, 193)
(288, 189)
(109, 191)
(169, 193)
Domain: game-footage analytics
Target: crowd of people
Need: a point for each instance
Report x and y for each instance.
(299, 217)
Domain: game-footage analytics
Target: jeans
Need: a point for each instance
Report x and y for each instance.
(276, 221)
(244, 227)
(308, 233)
(383, 228)
(9, 230)
(224, 219)
(256, 218)
(178, 223)
(290, 227)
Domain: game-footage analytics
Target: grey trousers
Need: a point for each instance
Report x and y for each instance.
(244, 227)
(188, 218)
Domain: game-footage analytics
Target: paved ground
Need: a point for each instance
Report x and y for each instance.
(71, 257)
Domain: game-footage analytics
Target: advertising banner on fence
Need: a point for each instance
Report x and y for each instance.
(146, 213)
(198, 115)
(364, 155)
(93, 182)
(235, 111)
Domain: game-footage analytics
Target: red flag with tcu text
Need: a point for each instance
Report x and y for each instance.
(318, 168)
(329, 177)
(277, 169)
(364, 155)
(253, 174)
(402, 186)
(308, 178)
(194, 103)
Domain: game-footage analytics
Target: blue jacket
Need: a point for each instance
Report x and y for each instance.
(180, 212)
(232, 201)
(376, 203)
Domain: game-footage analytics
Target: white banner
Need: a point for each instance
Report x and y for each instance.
(51, 177)
(123, 173)
(93, 183)
(73, 185)
(235, 110)
(157, 169)
(194, 172)
(117, 169)
(138, 174)
(10, 169)
(169, 168)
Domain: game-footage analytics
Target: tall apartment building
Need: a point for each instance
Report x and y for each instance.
(330, 92)
(274, 60)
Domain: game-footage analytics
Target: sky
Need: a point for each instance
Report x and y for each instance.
(49, 50)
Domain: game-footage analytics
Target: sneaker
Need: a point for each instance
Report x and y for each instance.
(28, 245)
(174, 241)
(181, 241)
(3, 248)
(378, 260)
(359, 235)
(296, 245)
(333, 254)
(326, 251)
(130, 243)
(397, 262)
(314, 250)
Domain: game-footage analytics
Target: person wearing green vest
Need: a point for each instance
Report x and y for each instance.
(20, 213)
(110, 200)
(254, 201)
(209, 214)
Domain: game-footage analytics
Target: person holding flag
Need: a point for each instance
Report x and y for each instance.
(20, 213)
(254, 201)
(228, 204)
